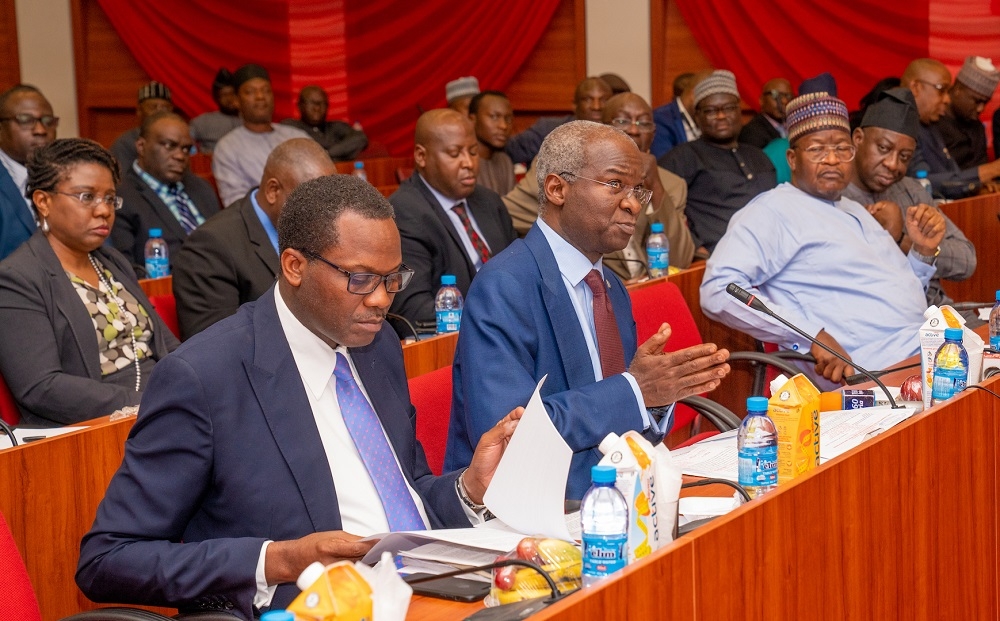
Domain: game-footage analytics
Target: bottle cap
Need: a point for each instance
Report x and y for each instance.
(656, 227)
(448, 279)
(603, 474)
(156, 232)
(998, 295)
(953, 334)
(756, 404)
(310, 575)
(831, 401)
(608, 443)
(359, 164)
(921, 174)
(277, 615)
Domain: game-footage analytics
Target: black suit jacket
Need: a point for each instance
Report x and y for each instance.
(432, 247)
(758, 132)
(142, 210)
(223, 264)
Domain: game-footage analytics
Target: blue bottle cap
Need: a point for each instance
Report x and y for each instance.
(603, 474)
(953, 334)
(756, 404)
(277, 615)
(156, 232)
(656, 227)
(921, 174)
(448, 279)
(998, 295)
(359, 164)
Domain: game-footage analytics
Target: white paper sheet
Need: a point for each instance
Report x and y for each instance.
(497, 541)
(21, 434)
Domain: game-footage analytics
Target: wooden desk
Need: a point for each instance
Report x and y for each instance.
(157, 286)
(977, 217)
(429, 354)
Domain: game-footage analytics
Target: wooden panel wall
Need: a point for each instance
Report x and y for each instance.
(10, 68)
(673, 49)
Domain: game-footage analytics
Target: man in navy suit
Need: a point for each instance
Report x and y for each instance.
(674, 121)
(547, 306)
(280, 435)
(26, 125)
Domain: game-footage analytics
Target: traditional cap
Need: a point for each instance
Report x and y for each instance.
(823, 83)
(979, 75)
(462, 87)
(718, 82)
(895, 110)
(224, 77)
(154, 90)
(248, 72)
(815, 112)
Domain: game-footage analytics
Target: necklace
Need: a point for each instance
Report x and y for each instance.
(121, 306)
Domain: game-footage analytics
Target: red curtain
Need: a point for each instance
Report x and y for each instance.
(380, 60)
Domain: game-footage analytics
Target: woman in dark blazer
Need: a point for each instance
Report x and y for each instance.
(78, 338)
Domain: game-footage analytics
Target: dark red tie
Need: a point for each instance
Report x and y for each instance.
(609, 340)
(477, 241)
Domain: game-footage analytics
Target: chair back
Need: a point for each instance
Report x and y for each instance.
(17, 597)
(430, 393)
(8, 405)
(166, 307)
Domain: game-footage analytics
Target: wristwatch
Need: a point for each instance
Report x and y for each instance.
(479, 510)
(929, 260)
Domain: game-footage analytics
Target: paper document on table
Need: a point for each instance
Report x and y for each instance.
(529, 485)
(451, 553)
(573, 526)
(34, 434)
(494, 541)
(842, 430)
(714, 457)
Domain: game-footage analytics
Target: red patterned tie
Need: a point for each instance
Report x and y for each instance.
(609, 340)
(477, 241)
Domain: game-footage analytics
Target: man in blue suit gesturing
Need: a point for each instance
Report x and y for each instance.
(547, 306)
(280, 435)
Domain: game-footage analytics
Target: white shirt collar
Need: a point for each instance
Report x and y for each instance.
(16, 171)
(573, 264)
(315, 359)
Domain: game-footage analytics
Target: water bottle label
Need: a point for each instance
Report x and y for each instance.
(657, 259)
(947, 383)
(603, 555)
(157, 267)
(448, 320)
(995, 343)
(758, 466)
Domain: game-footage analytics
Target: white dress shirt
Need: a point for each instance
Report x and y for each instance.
(447, 204)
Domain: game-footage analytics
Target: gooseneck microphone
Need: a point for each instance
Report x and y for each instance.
(751, 300)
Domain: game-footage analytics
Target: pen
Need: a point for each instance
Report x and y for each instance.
(32, 438)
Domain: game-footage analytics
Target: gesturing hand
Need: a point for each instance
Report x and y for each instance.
(665, 377)
(828, 365)
(285, 560)
(925, 226)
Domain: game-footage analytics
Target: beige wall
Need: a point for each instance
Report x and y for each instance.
(45, 48)
(618, 41)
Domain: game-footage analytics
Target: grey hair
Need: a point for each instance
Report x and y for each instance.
(563, 151)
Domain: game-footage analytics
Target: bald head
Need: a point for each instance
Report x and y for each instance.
(929, 81)
(289, 165)
(773, 97)
(589, 99)
(446, 152)
(631, 114)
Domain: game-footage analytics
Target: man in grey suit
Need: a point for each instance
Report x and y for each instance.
(233, 258)
(159, 191)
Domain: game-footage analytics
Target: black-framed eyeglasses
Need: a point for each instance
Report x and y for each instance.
(779, 95)
(91, 200)
(364, 283)
(28, 121)
(644, 127)
(641, 194)
(728, 110)
(940, 87)
(818, 152)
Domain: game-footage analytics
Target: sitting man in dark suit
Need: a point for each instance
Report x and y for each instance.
(548, 306)
(160, 191)
(26, 125)
(341, 141)
(770, 123)
(281, 435)
(675, 122)
(232, 259)
(449, 224)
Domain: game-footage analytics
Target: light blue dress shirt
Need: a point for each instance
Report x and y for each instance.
(272, 233)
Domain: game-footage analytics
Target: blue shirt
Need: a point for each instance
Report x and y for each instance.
(820, 265)
(272, 233)
(169, 198)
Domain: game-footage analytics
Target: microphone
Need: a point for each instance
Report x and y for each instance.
(751, 300)
(406, 322)
(857, 378)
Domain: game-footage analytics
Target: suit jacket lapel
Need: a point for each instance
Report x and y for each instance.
(258, 237)
(485, 221)
(445, 220)
(159, 207)
(21, 209)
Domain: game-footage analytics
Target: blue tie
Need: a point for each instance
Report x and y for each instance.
(187, 213)
(369, 438)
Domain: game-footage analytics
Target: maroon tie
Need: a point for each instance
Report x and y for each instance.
(609, 340)
(477, 241)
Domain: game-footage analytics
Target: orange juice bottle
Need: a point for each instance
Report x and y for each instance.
(333, 593)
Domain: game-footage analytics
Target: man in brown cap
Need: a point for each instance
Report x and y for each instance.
(964, 134)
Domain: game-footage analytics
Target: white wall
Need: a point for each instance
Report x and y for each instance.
(618, 41)
(45, 50)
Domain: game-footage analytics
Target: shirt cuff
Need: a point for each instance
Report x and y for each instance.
(923, 270)
(647, 420)
(262, 598)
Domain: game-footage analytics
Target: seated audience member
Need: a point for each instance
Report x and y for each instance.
(239, 156)
(885, 142)
(340, 140)
(493, 118)
(78, 338)
(630, 113)
(722, 175)
(777, 149)
(674, 123)
(458, 93)
(26, 125)
(588, 101)
(963, 132)
(310, 380)
(770, 123)
(820, 260)
(616, 82)
(159, 191)
(153, 99)
(208, 128)
(929, 81)
(232, 259)
(448, 223)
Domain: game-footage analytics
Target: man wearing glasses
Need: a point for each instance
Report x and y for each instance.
(549, 306)
(281, 435)
(770, 123)
(822, 261)
(26, 125)
(722, 175)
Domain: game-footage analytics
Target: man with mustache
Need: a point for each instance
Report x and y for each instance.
(722, 174)
(448, 222)
(820, 260)
(159, 191)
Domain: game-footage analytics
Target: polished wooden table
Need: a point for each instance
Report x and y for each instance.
(978, 219)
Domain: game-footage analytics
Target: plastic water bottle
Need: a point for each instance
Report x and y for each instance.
(157, 255)
(448, 305)
(657, 251)
(757, 446)
(604, 517)
(359, 171)
(995, 325)
(924, 181)
(951, 367)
